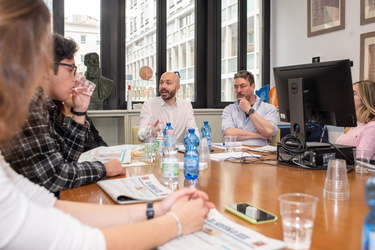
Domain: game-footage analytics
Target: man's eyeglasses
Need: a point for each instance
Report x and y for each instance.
(74, 67)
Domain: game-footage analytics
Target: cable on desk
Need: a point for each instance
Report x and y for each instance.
(292, 145)
(250, 159)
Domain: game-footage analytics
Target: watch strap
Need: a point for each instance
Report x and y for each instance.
(79, 113)
(150, 210)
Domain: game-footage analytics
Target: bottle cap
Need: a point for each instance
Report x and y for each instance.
(129, 87)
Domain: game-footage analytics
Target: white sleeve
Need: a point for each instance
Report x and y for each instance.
(191, 120)
(25, 224)
(34, 192)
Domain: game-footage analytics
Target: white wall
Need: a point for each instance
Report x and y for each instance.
(290, 44)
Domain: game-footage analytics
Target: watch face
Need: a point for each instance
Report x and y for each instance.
(251, 111)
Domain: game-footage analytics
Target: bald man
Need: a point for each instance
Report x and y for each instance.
(168, 108)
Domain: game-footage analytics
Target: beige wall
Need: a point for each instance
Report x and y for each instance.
(115, 125)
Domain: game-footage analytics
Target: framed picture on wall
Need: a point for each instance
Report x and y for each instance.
(367, 63)
(325, 16)
(367, 11)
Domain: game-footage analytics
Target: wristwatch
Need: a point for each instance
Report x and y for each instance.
(150, 210)
(251, 111)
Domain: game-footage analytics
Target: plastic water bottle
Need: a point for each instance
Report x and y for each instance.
(170, 164)
(150, 144)
(191, 157)
(160, 137)
(368, 231)
(168, 126)
(159, 143)
(129, 99)
(206, 133)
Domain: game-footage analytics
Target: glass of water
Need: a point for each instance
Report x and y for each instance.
(298, 213)
(84, 86)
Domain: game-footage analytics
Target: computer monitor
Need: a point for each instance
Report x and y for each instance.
(315, 93)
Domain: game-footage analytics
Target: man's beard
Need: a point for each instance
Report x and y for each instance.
(243, 96)
(170, 95)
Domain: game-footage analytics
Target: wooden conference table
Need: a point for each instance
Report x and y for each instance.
(338, 224)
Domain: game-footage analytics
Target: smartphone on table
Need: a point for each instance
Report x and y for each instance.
(251, 213)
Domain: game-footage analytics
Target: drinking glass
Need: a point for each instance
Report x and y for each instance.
(83, 85)
(336, 186)
(298, 213)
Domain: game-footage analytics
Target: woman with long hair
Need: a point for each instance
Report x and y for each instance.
(362, 136)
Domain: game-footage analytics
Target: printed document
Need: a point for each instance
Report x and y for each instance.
(221, 233)
(103, 154)
(135, 189)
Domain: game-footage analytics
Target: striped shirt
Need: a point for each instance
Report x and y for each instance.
(46, 158)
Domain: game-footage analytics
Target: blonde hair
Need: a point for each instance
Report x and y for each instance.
(26, 56)
(366, 91)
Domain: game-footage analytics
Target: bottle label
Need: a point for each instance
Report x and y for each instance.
(170, 169)
(191, 167)
(191, 163)
(150, 147)
(159, 144)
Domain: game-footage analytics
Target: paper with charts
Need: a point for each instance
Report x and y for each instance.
(134, 189)
(221, 233)
(104, 154)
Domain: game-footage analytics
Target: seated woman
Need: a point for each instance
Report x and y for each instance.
(31, 217)
(93, 139)
(363, 135)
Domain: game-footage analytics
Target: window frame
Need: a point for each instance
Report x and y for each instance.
(207, 47)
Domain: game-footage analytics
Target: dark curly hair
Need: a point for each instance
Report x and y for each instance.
(64, 48)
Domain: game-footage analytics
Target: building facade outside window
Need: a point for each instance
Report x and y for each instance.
(140, 46)
(82, 23)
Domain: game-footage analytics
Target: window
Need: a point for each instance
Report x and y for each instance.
(49, 5)
(180, 45)
(203, 40)
(82, 23)
(230, 43)
(253, 42)
(140, 50)
(83, 39)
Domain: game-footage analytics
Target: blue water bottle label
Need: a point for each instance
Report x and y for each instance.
(191, 167)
